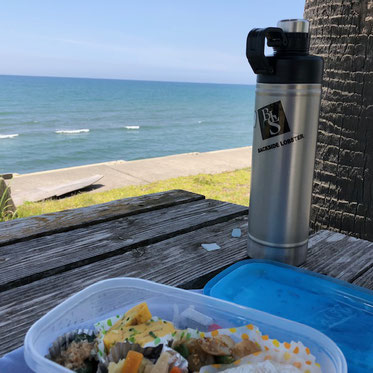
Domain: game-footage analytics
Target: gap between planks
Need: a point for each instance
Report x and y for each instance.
(61, 221)
(340, 256)
(45, 256)
(173, 261)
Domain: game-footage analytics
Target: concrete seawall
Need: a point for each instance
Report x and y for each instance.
(118, 174)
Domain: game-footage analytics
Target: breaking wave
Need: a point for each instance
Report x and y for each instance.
(69, 132)
(132, 127)
(9, 136)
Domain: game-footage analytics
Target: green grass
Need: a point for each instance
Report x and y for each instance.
(228, 186)
(6, 211)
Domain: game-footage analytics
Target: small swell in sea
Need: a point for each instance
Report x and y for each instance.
(132, 127)
(69, 132)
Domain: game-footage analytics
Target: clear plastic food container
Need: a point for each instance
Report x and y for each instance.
(110, 297)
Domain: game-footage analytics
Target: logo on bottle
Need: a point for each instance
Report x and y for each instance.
(272, 120)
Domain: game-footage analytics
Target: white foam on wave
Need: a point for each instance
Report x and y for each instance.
(8, 136)
(200, 121)
(69, 132)
(132, 127)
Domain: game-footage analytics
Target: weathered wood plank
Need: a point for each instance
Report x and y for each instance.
(365, 279)
(26, 228)
(339, 256)
(178, 261)
(173, 261)
(24, 262)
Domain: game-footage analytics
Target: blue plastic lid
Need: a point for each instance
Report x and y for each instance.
(342, 311)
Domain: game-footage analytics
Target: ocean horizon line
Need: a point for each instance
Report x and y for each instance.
(124, 80)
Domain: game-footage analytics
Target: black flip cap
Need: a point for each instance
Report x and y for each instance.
(291, 62)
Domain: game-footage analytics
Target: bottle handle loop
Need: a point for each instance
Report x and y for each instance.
(255, 44)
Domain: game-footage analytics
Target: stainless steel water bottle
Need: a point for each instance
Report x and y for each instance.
(287, 107)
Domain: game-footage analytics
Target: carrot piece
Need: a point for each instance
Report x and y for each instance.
(176, 370)
(132, 362)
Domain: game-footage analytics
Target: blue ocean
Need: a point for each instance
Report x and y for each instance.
(48, 123)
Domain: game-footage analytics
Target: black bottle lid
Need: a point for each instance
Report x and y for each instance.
(291, 62)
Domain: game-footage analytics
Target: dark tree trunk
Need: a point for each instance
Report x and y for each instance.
(341, 32)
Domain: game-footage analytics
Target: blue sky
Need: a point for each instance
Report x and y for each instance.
(171, 40)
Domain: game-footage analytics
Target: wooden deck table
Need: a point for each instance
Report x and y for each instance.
(47, 258)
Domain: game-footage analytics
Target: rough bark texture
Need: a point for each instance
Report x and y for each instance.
(341, 32)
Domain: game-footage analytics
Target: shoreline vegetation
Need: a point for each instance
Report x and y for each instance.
(232, 186)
